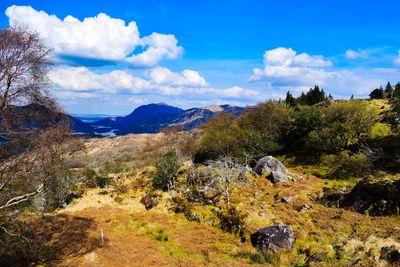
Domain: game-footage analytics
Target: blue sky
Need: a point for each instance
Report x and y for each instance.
(210, 52)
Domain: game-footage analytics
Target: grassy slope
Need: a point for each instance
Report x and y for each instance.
(136, 237)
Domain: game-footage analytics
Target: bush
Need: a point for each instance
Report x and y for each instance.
(346, 164)
(181, 205)
(167, 166)
(256, 132)
(232, 221)
(344, 125)
(93, 179)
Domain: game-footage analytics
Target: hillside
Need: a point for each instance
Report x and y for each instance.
(134, 236)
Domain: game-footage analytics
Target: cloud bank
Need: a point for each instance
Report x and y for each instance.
(100, 37)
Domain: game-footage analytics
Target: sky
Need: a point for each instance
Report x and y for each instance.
(112, 56)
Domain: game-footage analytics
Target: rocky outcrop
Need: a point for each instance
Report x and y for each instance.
(150, 200)
(273, 169)
(273, 239)
(374, 195)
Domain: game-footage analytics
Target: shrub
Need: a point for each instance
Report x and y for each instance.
(252, 135)
(93, 179)
(346, 164)
(344, 124)
(232, 221)
(379, 130)
(167, 166)
(181, 205)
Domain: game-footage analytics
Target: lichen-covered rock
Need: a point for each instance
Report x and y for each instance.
(150, 200)
(273, 169)
(273, 239)
(205, 195)
(376, 196)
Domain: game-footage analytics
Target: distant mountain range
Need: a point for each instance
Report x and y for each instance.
(151, 118)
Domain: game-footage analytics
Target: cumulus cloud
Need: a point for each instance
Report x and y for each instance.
(164, 76)
(81, 81)
(352, 54)
(158, 46)
(100, 37)
(285, 69)
(282, 56)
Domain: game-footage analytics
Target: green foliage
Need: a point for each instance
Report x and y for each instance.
(290, 100)
(377, 93)
(167, 166)
(93, 179)
(255, 133)
(346, 165)
(379, 130)
(389, 91)
(232, 221)
(304, 119)
(313, 96)
(113, 167)
(396, 92)
(344, 124)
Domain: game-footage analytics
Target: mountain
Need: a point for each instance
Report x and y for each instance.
(37, 116)
(196, 117)
(149, 118)
(152, 118)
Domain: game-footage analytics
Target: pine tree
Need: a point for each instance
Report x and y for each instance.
(396, 92)
(389, 90)
(377, 93)
(290, 100)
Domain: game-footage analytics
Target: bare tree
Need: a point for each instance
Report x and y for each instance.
(24, 63)
(226, 172)
(31, 162)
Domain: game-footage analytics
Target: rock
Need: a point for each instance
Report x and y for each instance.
(150, 200)
(242, 175)
(287, 199)
(390, 254)
(304, 207)
(376, 196)
(206, 195)
(273, 169)
(273, 239)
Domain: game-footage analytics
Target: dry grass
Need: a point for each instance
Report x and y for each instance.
(158, 237)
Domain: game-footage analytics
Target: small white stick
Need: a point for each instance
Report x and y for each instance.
(102, 236)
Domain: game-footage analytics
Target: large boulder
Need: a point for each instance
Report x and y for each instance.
(376, 196)
(273, 239)
(273, 169)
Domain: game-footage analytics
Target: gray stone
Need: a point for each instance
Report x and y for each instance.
(273, 169)
(273, 239)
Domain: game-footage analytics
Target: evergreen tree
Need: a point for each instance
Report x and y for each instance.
(351, 97)
(290, 100)
(377, 93)
(396, 92)
(389, 90)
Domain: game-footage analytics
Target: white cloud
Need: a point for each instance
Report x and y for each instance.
(100, 37)
(81, 79)
(164, 76)
(397, 60)
(285, 70)
(158, 46)
(282, 56)
(188, 84)
(352, 54)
